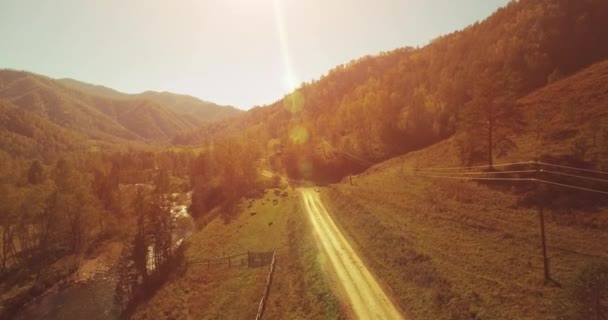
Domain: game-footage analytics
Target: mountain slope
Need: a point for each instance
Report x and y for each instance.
(566, 120)
(404, 100)
(184, 104)
(95, 117)
(178, 103)
(24, 134)
(93, 89)
(43, 97)
(456, 249)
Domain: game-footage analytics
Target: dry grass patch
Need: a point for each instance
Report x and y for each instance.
(458, 250)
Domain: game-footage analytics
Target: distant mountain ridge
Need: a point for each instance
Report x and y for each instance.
(94, 89)
(42, 116)
(179, 103)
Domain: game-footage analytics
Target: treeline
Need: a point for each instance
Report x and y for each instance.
(219, 177)
(150, 256)
(51, 214)
(466, 84)
(224, 174)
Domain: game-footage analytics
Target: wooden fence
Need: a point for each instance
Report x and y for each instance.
(262, 306)
(248, 259)
(260, 259)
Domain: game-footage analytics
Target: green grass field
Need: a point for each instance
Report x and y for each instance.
(299, 289)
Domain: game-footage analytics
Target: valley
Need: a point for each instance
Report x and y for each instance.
(465, 177)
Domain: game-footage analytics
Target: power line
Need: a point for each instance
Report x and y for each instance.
(570, 186)
(571, 168)
(369, 164)
(353, 157)
(540, 163)
(515, 179)
(475, 178)
(358, 160)
(431, 174)
(573, 175)
(480, 166)
(476, 172)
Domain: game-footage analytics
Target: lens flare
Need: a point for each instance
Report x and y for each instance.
(289, 78)
(298, 135)
(294, 102)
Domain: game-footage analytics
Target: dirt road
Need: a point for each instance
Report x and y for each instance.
(365, 296)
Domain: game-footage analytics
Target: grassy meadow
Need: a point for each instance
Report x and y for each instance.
(299, 289)
(451, 249)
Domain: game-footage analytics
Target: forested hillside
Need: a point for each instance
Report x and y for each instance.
(24, 134)
(199, 110)
(45, 117)
(473, 233)
(466, 82)
(45, 98)
(566, 121)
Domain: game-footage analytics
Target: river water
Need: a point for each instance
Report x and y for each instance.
(94, 299)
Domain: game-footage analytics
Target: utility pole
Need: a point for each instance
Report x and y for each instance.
(541, 214)
(323, 146)
(540, 197)
(490, 144)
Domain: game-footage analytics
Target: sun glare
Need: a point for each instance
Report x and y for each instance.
(289, 77)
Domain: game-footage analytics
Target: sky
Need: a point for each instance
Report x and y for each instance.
(238, 52)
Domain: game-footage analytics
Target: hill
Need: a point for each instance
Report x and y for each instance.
(189, 105)
(381, 106)
(93, 89)
(568, 119)
(564, 121)
(96, 119)
(60, 105)
(203, 111)
(473, 247)
(24, 134)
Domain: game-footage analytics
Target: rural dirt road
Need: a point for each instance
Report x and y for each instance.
(365, 296)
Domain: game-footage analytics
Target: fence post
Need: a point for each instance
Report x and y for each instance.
(266, 288)
(541, 214)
